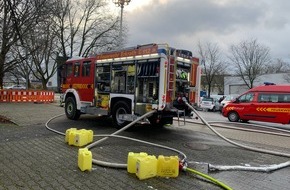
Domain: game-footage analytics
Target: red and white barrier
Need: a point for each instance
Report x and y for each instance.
(36, 96)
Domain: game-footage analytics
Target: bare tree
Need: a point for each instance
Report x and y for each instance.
(84, 27)
(22, 67)
(33, 49)
(16, 18)
(219, 82)
(250, 59)
(286, 77)
(277, 66)
(79, 28)
(211, 62)
(8, 38)
(42, 43)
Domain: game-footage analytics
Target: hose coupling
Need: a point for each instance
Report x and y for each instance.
(182, 165)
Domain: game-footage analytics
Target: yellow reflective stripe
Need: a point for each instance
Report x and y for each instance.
(265, 109)
(281, 110)
(77, 86)
(65, 86)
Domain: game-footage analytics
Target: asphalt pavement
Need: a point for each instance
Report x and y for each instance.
(32, 157)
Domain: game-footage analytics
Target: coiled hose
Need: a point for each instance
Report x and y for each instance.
(124, 166)
(232, 142)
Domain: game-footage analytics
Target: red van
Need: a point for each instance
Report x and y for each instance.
(269, 103)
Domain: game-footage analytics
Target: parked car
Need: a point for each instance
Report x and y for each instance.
(217, 96)
(227, 100)
(16, 87)
(210, 103)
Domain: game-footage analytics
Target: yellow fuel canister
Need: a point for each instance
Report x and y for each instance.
(132, 160)
(85, 159)
(90, 136)
(81, 137)
(71, 137)
(67, 134)
(167, 166)
(146, 167)
(85, 137)
(78, 137)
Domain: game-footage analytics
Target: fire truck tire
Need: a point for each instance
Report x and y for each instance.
(120, 108)
(71, 109)
(233, 116)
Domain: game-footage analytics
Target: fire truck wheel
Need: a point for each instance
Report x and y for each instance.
(120, 108)
(71, 109)
(233, 116)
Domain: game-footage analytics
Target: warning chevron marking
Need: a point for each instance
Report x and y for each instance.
(230, 108)
(261, 109)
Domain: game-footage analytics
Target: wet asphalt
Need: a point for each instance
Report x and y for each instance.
(33, 157)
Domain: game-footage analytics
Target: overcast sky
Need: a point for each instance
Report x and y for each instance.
(182, 23)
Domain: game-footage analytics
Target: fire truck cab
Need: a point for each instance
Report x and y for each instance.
(128, 83)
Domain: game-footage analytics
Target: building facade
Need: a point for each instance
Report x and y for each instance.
(235, 85)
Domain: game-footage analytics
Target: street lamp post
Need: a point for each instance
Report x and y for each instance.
(121, 3)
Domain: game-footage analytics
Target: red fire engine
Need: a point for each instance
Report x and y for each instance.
(128, 83)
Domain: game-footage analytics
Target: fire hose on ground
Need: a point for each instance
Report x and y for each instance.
(183, 163)
(268, 168)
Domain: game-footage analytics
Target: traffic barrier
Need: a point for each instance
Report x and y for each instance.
(36, 96)
(33, 97)
(4, 96)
